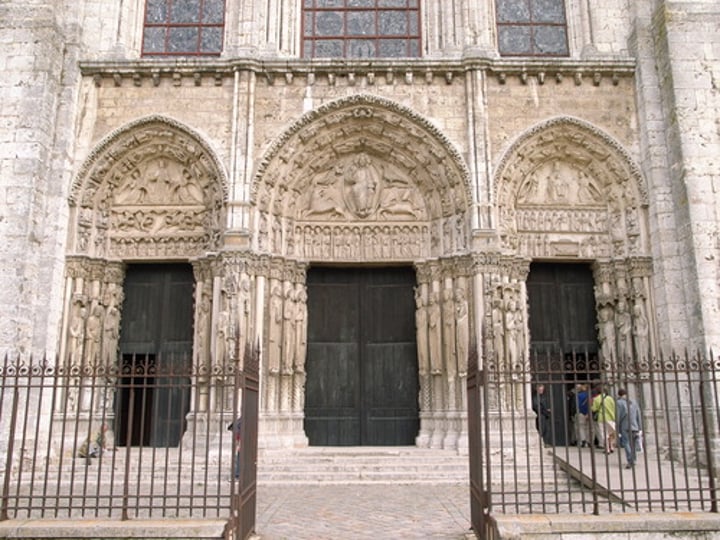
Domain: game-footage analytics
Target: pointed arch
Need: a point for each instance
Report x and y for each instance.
(149, 189)
(362, 162)
(567, 188)
(567, 137)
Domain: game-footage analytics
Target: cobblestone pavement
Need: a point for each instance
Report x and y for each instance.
(363, 511)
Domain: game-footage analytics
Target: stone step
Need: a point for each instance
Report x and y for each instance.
(330, 465)
(362, 465)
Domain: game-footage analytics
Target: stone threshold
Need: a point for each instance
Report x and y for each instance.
(176, 529)
(610, 526)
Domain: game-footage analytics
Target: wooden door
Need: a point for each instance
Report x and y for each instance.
(562, 320)
(156, 351)
(362, 380)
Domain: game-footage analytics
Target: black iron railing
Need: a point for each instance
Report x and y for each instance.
(144, 439)
(532, 456)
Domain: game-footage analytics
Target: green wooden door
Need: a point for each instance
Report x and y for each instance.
(156, 353)
(362, 380)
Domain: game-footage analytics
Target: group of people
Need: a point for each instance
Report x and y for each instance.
(612, 421)
(598, 419)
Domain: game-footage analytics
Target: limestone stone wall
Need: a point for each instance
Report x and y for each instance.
(686, 37)
(40, 72)
(643, 73)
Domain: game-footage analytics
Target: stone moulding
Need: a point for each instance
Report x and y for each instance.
(358, 101)
(101, 148)
(444, 70)
(566, 123)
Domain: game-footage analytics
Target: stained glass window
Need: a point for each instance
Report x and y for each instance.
(361, 28)
(183, 27)
(531, 28)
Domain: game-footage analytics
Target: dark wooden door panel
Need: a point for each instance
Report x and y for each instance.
(157, 323)
(362, 378)
(389, 376)
(561, 307)
(390, 406)
(332, 394)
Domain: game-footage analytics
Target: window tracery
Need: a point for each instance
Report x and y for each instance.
(531, 28)
(183, 27)
(361, 28)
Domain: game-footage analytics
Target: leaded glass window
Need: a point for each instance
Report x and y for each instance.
(183, 27)
(531, 28)
(361, 28)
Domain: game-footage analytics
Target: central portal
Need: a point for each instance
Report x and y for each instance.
(362, 370)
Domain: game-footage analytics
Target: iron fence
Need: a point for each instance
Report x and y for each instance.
(528, 443)
(150, 437)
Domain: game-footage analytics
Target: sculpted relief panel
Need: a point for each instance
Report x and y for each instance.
(361, 188)
(567, 190)
(362, 179)
(150, 191)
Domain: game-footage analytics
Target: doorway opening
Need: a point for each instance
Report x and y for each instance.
(362, 369)
(156, 338)
(563, 339)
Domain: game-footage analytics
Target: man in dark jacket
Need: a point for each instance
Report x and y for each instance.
(629, 425)
(541, 407)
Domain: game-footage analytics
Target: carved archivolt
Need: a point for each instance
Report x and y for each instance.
(360, 174)
(151, 189)
(566, 189)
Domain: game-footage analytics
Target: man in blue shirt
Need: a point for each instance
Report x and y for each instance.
(582, 409)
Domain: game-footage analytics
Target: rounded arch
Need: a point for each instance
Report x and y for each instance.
(153, 188)
(566, 188)
(363, 169)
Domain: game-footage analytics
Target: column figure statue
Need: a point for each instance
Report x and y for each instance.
(434, 334)
(462, 325)
(421, 325)
(606, 333)
(288, 316)
(641, 331)
(275, 330)
(300, 328)
(448, 334)
(623, 323)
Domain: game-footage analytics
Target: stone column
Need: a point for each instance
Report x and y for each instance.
(423, 352)
(284, 370)
(506, 360)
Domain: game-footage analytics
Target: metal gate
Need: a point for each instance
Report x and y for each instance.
(521, 464)
(477, 429)
(244, 489)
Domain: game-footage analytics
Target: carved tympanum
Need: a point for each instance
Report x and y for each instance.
(149, 190)
(361, 187)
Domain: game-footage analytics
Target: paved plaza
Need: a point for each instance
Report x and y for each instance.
(363, 511)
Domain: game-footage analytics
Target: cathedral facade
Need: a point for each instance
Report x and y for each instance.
(365, 189)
